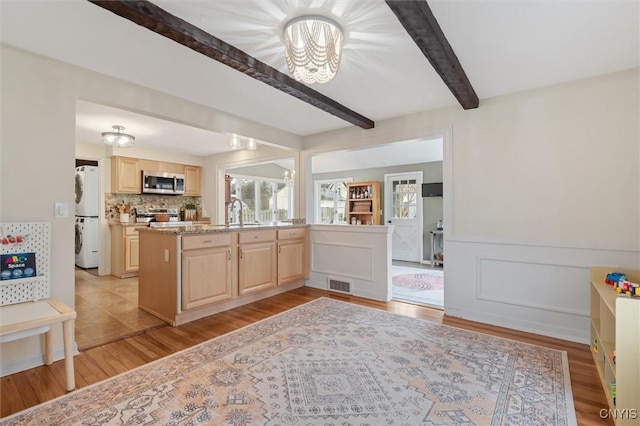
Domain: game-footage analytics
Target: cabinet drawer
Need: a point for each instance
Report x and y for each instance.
(291, 234)
(132, 230)
(257, 236)
(192, 242)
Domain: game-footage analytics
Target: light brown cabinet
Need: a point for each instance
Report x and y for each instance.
(293, 255)
(125, 175)
(125, 252)
(257, 261)
(192, 180)
(186, 276)
(207, 269)
(615, 343)
(363, 203)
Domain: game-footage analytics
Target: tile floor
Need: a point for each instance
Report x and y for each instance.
(107, 310)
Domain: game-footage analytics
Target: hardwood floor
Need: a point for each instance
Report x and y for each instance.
(28, 388)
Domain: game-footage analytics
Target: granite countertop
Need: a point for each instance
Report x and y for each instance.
(146, 224)
(209, 229)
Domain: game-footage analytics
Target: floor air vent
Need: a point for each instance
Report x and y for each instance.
(338, 285)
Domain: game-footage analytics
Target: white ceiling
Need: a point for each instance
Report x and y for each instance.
(504, 46)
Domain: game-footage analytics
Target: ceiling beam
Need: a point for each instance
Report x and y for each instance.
(416, 17)
(152, 17)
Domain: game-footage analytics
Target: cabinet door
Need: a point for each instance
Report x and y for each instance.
(291, 261)
(127, 177)
(206, 276)
(131, 253)
(257, 267)
(191, 180)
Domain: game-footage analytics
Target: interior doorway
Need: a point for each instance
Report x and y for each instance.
(403, 210)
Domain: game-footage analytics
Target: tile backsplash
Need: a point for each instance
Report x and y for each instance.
(146, 200)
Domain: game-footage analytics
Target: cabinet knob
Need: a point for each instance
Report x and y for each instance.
(229, 255)
(241, 254)
(279, 248)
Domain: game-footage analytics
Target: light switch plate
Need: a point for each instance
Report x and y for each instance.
(61, 210)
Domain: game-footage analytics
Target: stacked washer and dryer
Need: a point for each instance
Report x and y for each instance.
(87, 212)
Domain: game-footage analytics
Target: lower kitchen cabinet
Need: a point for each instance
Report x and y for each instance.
(125, 252)
(185, 276)
(257, 261)
(206, 276)
(207, 269)
(292, 255)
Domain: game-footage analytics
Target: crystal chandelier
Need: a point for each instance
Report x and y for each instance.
(313, 48)
(117, 137)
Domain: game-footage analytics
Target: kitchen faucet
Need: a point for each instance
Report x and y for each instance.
(241, 220)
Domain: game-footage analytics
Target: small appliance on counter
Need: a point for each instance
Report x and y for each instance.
(160, 217)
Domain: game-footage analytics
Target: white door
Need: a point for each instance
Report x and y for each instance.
(403, 209)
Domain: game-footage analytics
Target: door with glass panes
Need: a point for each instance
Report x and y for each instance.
(403, 210)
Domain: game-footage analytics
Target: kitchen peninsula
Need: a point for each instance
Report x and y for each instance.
(190, 272)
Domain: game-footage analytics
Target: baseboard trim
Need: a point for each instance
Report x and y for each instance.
(15, 366)
(526, 326)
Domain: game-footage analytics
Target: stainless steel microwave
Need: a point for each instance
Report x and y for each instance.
(162, 183)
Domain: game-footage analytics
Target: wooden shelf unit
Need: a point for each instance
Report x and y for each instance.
(615, 325)
(364, 203)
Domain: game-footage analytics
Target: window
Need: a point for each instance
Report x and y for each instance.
(331, 200)
(404, 199)
(263, 199)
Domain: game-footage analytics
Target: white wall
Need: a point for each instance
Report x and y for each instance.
(39, 150)
(359, 255)
(539, 186)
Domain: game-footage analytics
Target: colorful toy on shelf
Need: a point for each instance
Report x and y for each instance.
(614, 277)
(612, 389)
(628, 288)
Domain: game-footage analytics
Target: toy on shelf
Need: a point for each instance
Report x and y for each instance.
(614, 277)
(628, 288)
(612, 390)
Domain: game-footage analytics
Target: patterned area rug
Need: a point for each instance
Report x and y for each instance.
(418, 285)
(419, 282)
(331, 363)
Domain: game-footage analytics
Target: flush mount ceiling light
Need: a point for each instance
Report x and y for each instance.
(313, 48)
(235, 142)
(117, 137)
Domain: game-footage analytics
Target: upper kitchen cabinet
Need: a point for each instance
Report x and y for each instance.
(125, 175)
(192, 180)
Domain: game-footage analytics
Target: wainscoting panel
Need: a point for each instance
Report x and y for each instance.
(341, 259)
(357, 254)
(556, 288)
(534, 288)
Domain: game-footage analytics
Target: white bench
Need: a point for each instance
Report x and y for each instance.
(30, 318)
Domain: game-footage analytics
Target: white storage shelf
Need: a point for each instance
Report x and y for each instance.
(615, 326)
